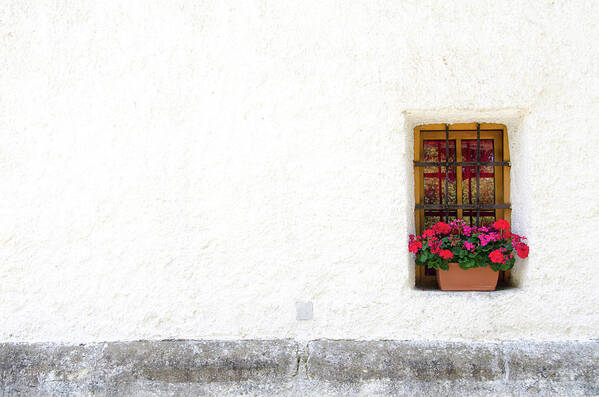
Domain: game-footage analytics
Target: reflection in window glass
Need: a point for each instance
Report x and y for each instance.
(487, 181)
(434, 181)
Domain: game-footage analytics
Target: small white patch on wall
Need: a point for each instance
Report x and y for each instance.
(304, 310)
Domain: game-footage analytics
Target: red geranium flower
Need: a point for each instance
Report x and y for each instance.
(435, 246)
(415, 246)
(442, 227)
(446, 254)
(428, 233)
(501, 224)
(497, 257)
(522, 250)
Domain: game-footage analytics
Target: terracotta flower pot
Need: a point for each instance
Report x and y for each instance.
(458, 279)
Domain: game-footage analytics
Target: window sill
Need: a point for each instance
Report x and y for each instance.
(432, 290)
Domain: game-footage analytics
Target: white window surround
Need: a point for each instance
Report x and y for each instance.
(513, 119)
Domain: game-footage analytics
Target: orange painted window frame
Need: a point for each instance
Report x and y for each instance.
(458, 132)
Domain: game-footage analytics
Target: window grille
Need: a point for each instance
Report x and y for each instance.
(446, 206)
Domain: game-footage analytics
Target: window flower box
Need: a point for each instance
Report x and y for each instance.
(473, 279)
(468, 258)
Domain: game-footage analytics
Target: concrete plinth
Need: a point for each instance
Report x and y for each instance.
(291, 368)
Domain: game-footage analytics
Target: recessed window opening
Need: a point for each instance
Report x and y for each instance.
(460, 171)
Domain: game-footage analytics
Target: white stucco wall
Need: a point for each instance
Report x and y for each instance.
(191, 169)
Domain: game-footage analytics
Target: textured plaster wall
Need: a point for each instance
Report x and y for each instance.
(185, 169)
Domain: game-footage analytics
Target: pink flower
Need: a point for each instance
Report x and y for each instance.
(457, 224)
(468, 245)
(484, 239)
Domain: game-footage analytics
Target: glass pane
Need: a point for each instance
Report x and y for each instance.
(487, 217)
(487, 173)
(434, 177)
(487, 181)
(433, 216)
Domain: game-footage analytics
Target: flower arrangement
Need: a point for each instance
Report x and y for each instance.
(468, 246)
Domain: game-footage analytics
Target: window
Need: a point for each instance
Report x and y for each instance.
(460, 171)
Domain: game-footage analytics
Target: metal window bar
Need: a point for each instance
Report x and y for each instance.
(462, 206)
(447, 171)
(478, 175)
(446, 206)
(463, 163)
(482, 130)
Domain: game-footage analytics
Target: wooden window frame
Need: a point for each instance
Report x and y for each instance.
(458, 132)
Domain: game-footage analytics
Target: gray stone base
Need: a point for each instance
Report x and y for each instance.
(290, 368)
